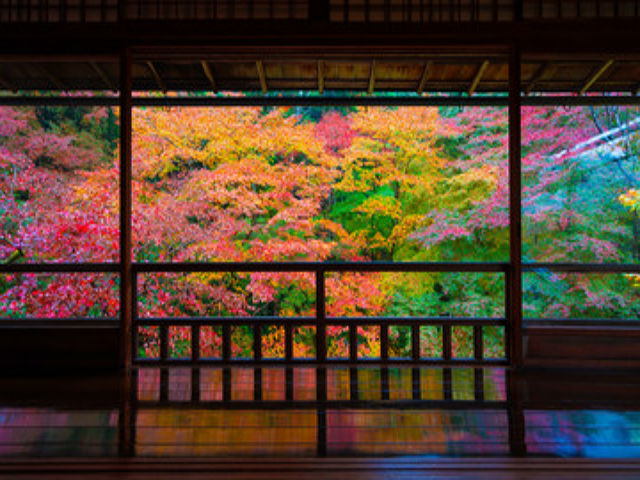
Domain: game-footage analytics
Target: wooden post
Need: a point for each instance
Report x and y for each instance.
(514, 286)
(127, 337)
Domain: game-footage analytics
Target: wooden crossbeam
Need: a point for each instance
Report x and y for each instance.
(426, 73)
(320, 77)
(208, 72)
(262, 76)
(478, 77)
(52, 78)
(595, 76)
(372, 78)
(103, 76)
(161, 85)
(540, 73)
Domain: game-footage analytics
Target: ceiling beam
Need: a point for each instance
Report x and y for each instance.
(595, 76)
(262, 76)
(372, 78)
(208, 72)
(320, 77)
(426, 73)
(544, 69)
(103, 75)
(52, 78)
(161, 85)
(477, 78)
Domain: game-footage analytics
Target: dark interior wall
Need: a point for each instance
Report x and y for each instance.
(26, 350)
(586, 347)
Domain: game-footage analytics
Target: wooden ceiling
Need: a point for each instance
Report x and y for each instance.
(418, 74)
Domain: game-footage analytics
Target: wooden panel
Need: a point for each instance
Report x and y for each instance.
(57, 350)
(582, 347)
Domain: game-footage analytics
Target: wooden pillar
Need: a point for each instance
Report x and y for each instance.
(126, 272)
(514, 276)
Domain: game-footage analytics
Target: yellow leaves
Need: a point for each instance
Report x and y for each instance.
(631, 199)
(384, 206)
(486, 173)
(408, 225)
(634, 280)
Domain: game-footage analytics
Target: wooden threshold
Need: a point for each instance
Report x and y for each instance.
(330, 468)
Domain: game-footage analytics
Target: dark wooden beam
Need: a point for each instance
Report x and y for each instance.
(127, 276)
(426, 72)
(544, 69)
(513, 281)
(372, 78)
(161, 85)
(103, 75)
(595, 76)
(478, 77)
(52, 78)
(206, 68)
(262, 76)
(320, 77)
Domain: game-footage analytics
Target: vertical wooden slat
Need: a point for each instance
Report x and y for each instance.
(321, 320)
(195, 356)
(164, 342)
(257, 343)
(446, 342)
(415, 342)
(353, 343)
(384, 343)
(257, 357)
(478, 341)
(515, 211)
(384, 358)
(226, 357)
(288, 342)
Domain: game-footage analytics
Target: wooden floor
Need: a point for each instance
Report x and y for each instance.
(329, 469)
(373, 424)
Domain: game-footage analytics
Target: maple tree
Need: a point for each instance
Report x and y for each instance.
(281, 184)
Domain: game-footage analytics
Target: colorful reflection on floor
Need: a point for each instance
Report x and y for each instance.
(46, 432)
(304, 412)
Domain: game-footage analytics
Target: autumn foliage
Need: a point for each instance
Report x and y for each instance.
(281, 184)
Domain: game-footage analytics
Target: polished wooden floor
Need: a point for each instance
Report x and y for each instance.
(322, 423)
